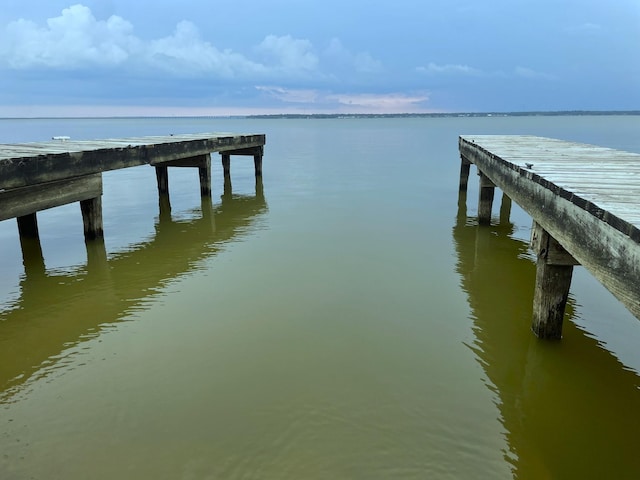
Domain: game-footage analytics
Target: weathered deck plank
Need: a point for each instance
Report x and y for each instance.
(29, 164)
(586, 197)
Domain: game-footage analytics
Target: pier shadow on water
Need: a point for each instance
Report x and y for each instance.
(56, 311)
(569, 409)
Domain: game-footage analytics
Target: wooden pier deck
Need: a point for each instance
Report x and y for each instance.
(42, 175)
(585, 205)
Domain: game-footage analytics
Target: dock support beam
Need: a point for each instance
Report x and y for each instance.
(226, 164)
(92, 218)
(28, 226)
(204, 171)
(465, 166)
(485, 201)
(554, 269)
(162, 176)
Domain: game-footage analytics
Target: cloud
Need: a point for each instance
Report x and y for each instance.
(448, 69)
(337, 55)
(72, 39)
(289, 54)
(185, 53)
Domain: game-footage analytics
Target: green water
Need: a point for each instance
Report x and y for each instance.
(343, 318)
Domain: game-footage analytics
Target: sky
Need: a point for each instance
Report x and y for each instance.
(236, 57)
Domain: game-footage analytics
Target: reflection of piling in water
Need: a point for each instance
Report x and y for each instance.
(569, 409)
(55, 311)
(38, 176)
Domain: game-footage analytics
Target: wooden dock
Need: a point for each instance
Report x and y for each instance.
(38, 176)
(584, 202)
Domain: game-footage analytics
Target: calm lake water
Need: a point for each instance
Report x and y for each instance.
(345, 318)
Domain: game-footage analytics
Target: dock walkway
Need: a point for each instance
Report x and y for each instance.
(42, 175)
(584, 201)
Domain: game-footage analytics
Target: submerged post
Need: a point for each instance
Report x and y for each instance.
(554, 269)
(92, 218)
(485, 201)
(465, 166)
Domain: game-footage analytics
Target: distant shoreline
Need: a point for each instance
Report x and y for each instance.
(360, 115)
(453, 115)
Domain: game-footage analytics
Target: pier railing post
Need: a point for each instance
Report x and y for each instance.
(92, 218)
(465, 166)
(485, 200)
(554, 269)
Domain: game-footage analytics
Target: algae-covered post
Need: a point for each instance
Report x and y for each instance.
(581, 198)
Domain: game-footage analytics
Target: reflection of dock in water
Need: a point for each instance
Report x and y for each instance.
(569, 409)
(55, 311)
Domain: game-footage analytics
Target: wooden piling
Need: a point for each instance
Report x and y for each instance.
(204, 171)
(257, 162)
(505, 208)
(554, 269)
(28, 226)
(92, 218)
(465, 166)
(485, 200)
(226, 164)
(162, 176)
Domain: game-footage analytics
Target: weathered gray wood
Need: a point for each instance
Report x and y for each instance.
(549, 249)
(29, 164)
(505, 208)
(603, 240)
(28, 225)
(550, 298)
(162, 177)
(92, 218)
(204, 172)
(27, 200)
(485, 199)
(465, 166)
(226, 164)
(257, 162)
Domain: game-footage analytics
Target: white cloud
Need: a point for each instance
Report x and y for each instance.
(361, 62)
(435, 69)
(185, 53)
(289, 54)
(74, 38)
